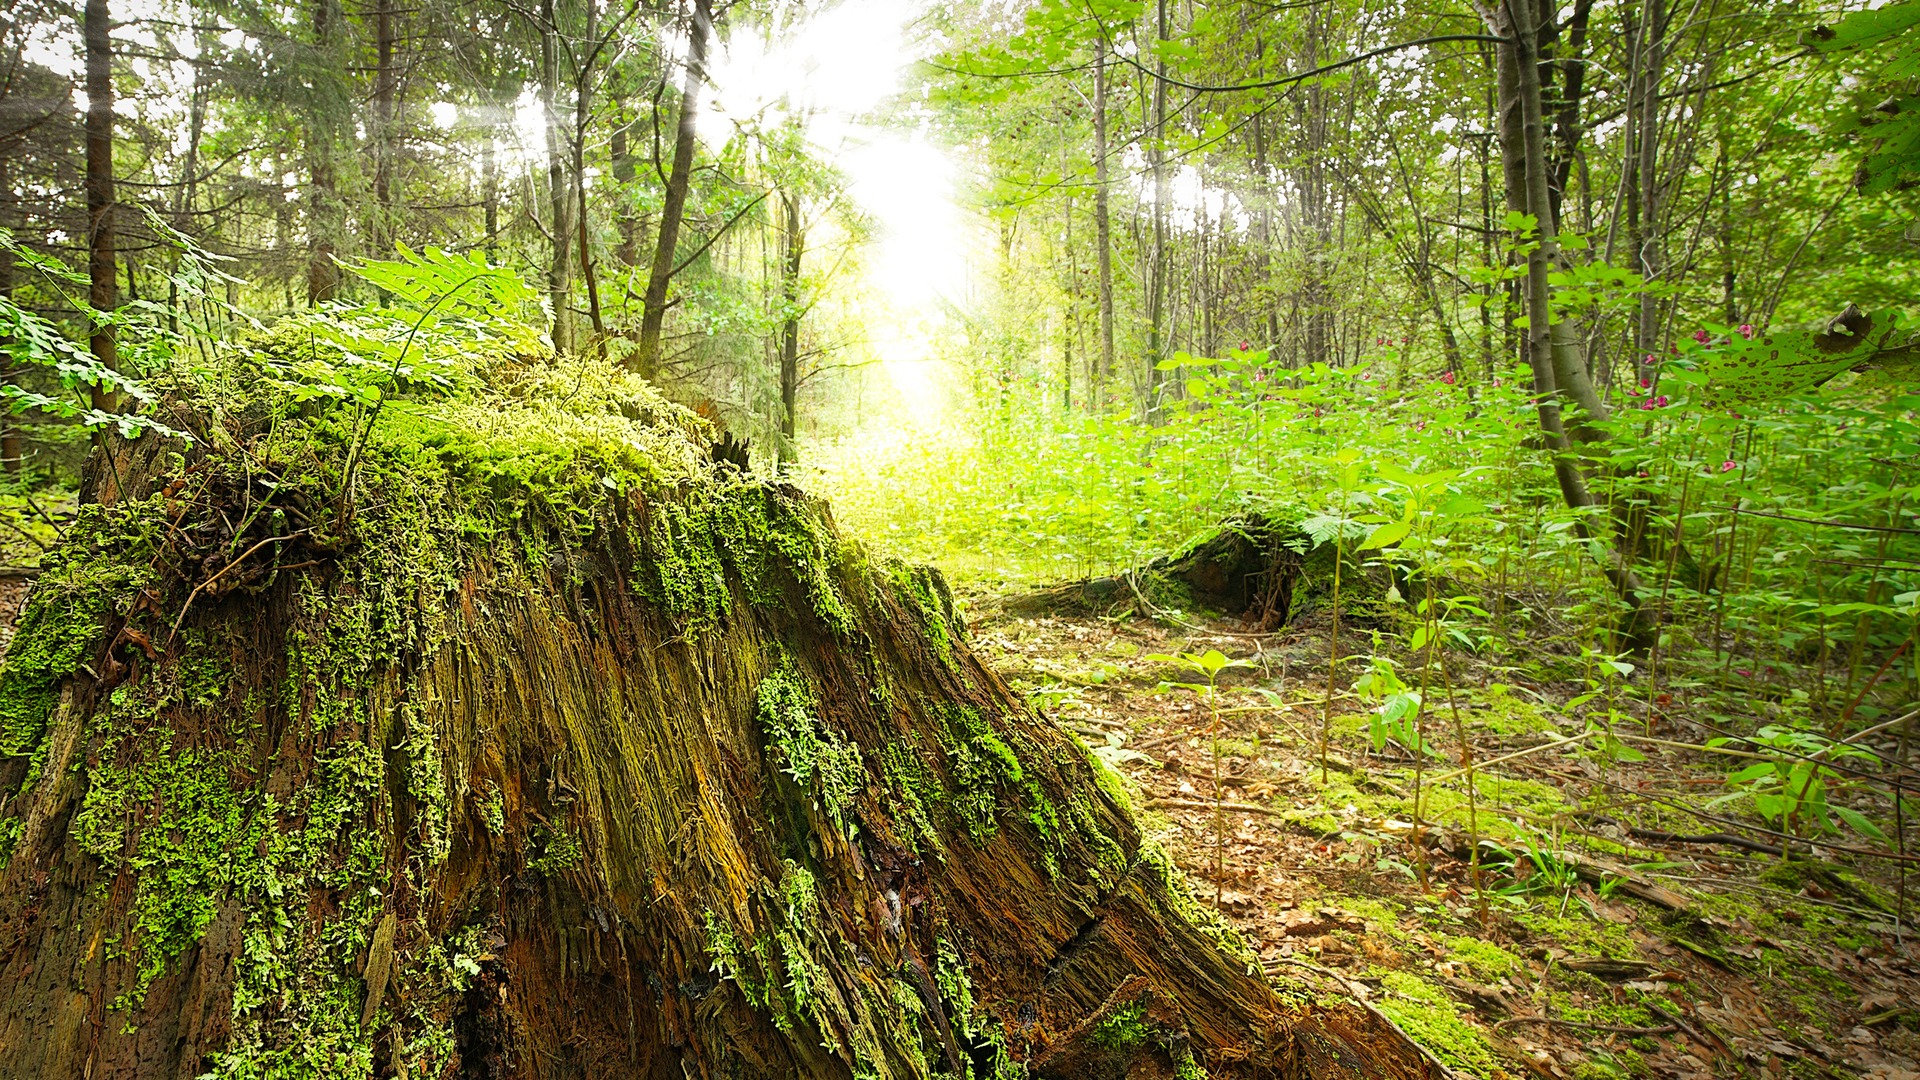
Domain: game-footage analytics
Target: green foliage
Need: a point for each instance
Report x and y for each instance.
(29, 340)
(1887, 41)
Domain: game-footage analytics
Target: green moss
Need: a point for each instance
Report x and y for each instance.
(1488, 962)
(979, 764)
(493, 810)
(924, 592)
(1123, 1029)
(1427, 1015)
(102, 564)
(817, 758)
(1157, 867)
(182, 859)
(558, 851)
(916, 793)
(9, 839)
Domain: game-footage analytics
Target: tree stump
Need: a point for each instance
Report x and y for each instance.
(565, 752)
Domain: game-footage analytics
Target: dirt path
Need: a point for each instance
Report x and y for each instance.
(1706, 961)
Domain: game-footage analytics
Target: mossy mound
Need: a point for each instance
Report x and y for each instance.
(510, 735)
(1264, 571)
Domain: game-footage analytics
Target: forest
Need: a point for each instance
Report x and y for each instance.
(884, 539)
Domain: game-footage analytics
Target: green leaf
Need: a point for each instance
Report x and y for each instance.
(1858, 822)
(1391, 533)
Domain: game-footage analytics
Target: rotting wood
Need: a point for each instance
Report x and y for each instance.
(409, 799)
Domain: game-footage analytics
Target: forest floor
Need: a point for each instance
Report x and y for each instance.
(1591, 954)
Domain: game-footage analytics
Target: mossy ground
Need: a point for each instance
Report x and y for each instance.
(1325, 874)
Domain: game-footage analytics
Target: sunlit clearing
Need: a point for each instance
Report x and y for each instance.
(830, 75)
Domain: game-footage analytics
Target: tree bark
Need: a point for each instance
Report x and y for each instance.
(1556, 379)
(654, 305)
(103, 288)
(1102, 231)
(1157, 262)
(667, 782)
(628, 251)
(794, 243)
(11, 445)
(559, 183)
(323, 121)
(1647, 254)
(385, 215)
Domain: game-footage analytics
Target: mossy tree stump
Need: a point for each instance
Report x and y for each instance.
(566, 754)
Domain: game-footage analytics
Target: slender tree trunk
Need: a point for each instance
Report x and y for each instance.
(1102, 230)
(1647, 254)
(490, 191)
(654, 311)
(795, 242)
(1157, 265)
(103, 291)
(10, 445)
(582, 114)
(185, 194)
(559, 184)
(628, 252)
(1263, 235)
(1071, 332)
(1524, 155)
(323, 197)
(385, 216)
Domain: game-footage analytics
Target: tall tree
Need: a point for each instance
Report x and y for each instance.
(794, 242)
(654, 312)
(102, 273)
(1102, 224)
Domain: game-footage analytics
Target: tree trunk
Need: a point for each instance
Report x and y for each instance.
(1647, 255)
(323, 119)
(11, 446)
(490, 192)
(103, 291)
(652, 777)
(1157, 262)
(1102, 232)
(1555, 378)
(559, 184)
(385, 214)
(628, 252)
(653, 312)
(795, 243)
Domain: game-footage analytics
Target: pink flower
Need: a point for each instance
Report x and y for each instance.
(1447, 378)
(1646, 384)
(1496, 380)
(1646, 405)
(1245, 345)
(1661, 401)
(1728, 466)
(1634, 391)
(1746, 330)
(1644, 474)
(1702, 336)
(1651, 360)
